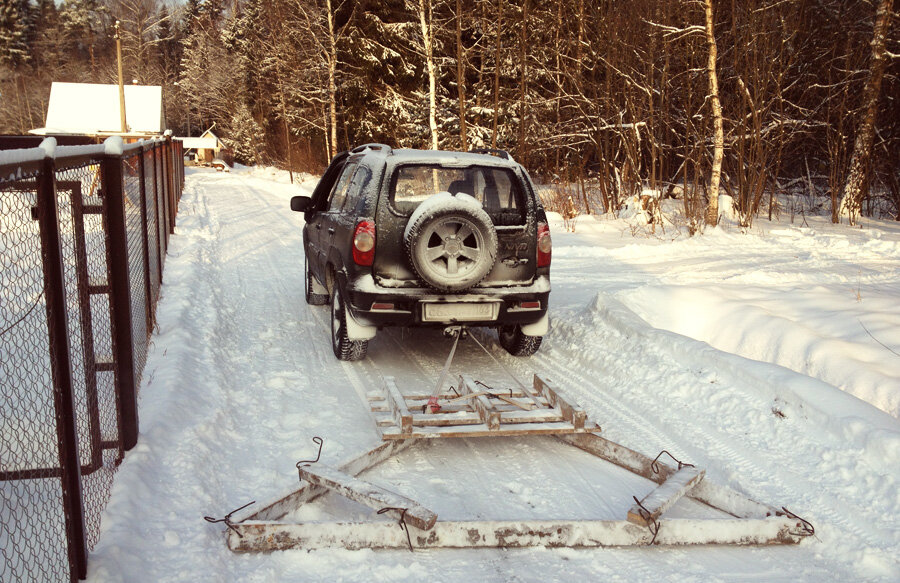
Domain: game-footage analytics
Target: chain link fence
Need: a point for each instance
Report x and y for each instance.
(83, 236)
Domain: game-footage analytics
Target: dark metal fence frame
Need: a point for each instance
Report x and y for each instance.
(158, 167)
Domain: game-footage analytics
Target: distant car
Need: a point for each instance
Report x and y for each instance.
(416, 238)
(220, 165)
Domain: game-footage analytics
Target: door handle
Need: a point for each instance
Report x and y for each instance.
(330, 230)
(318, 226)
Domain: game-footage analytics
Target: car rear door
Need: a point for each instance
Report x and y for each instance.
(315, 216)
(331, 220)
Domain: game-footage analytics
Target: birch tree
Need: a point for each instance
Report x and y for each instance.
(712, 209)
(425, 21)
(853, 192)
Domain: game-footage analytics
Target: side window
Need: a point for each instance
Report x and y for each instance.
(339, 194)
(357, 186)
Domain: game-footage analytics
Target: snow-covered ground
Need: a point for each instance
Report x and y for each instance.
(743, 354)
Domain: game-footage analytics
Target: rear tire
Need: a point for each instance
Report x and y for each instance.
(517, 343)
(312, 298)
(343, 347)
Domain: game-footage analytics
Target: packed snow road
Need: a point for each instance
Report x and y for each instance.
(240, 378)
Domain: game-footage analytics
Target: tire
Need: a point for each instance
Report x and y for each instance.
(517, 343)
(312, 298)
(453, 246)
(343, 347)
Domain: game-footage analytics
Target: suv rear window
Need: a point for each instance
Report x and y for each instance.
(497, 189)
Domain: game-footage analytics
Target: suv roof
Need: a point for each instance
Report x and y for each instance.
(499, 158)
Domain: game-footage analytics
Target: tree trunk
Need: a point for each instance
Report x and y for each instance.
(712, 210)
(427, 39)
(497, 74)
(523, 85)
(852, 196)
(332, 85)
(461, 78)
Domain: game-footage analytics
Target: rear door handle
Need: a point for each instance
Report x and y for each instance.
(331, 231)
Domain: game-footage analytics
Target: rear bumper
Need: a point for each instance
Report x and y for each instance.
(362, 293)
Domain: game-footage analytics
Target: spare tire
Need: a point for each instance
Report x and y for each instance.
(451, 242)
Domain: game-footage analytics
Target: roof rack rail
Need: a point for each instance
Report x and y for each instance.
(501, 153)
(372, 146)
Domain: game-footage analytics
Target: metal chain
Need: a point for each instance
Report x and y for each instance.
(227, 519)
(401, 522)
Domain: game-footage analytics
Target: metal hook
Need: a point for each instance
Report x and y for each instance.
(401, 522)
(808, 528)
(227, 519)
(319, 441)
(655, 466)
(652, 525)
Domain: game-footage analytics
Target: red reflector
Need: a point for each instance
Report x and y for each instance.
(530, 305)
(377, 306)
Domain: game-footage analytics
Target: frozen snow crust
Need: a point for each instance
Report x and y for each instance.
(240, 376)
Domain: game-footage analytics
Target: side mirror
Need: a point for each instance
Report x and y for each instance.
(301, 204)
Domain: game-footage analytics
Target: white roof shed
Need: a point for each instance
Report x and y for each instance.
(88, 108)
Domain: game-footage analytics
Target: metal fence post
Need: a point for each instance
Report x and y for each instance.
(61, 370)
(170, 183)
(120, 298)
(145, 240)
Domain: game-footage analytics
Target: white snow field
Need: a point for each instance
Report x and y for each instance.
(741, 353)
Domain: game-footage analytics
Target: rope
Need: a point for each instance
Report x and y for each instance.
(501, 365)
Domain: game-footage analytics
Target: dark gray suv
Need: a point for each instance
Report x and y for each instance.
(427, 238)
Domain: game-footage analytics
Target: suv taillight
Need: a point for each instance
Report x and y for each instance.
(364, 243)
(544, 245)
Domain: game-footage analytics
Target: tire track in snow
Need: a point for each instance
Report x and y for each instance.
(727, 448)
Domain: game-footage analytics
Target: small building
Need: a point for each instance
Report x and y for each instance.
(93, 109)
(208, 147)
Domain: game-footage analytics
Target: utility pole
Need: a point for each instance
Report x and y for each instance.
(121, 80)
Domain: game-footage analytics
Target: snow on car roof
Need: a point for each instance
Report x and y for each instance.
(403, 156)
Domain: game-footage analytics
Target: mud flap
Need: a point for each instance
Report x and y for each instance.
(539, 328)
(357, 330)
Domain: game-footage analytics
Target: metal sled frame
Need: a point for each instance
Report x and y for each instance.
(546, 411)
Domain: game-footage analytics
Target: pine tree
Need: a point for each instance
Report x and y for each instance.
(244, 136)
(15, 29)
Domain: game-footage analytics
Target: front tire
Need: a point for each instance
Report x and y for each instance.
(343, 347)
(517, 343)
